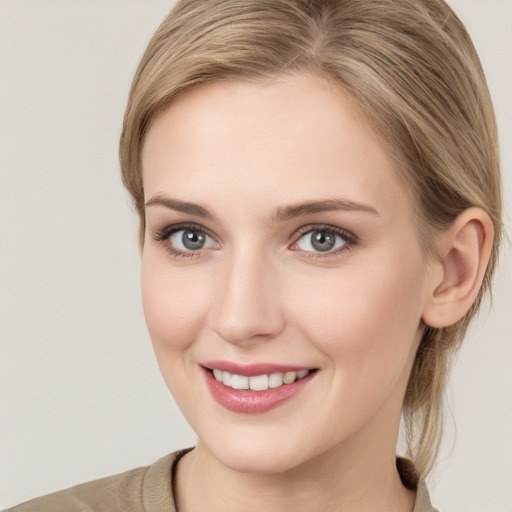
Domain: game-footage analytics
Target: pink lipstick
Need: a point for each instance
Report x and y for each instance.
(254, 388)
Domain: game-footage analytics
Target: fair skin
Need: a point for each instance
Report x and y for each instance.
(253, 287)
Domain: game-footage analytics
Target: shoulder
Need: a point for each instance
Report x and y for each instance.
(116, 492)
(144, 489)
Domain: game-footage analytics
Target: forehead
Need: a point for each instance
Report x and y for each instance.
(291, 139)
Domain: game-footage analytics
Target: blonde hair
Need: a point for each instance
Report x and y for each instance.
(411, 68)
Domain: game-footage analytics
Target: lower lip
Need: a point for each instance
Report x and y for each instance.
(254, 402)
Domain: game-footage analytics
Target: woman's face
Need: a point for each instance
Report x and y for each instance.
(280, 242)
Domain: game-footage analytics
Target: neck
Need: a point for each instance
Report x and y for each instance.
(347, 478)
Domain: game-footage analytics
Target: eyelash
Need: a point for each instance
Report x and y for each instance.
(348, 238)
(165, 234)
(162, 236)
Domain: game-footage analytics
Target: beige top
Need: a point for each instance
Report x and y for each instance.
(146, 489)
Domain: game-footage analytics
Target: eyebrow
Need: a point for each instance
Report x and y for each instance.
(180, 206)
(281, 214)
(328, 205)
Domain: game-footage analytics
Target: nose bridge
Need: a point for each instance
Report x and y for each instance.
(247, 305)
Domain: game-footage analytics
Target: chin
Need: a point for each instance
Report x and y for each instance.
(256, 456)
(261, 463)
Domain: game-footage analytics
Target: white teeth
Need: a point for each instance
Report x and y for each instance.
(258, 382)
(239, 381)
(289, 377)
(226, 378)
(275, 380)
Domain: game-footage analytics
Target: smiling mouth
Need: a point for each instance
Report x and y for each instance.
(261, 382)
(257, 387)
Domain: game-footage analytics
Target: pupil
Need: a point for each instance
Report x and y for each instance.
(322, 240)
(193, 240)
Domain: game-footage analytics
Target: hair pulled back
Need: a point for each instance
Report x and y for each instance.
(410, 67)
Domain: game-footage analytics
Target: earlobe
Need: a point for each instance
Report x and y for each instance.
(464, 251)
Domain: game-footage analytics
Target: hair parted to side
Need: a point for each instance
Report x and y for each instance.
(411, 68)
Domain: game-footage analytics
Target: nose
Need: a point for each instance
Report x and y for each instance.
(247, 307)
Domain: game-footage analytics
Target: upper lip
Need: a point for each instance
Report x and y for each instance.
(252, 369)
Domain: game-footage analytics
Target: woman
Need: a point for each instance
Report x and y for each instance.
(318, 190)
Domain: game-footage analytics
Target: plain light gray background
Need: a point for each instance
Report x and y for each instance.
(81, 394)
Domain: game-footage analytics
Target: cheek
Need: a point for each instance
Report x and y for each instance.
(175, 306)
(172, 305)
(367, 326)
(359, 316)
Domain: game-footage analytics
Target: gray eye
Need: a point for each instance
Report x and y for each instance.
(193, 240)
(320, 241)
(189, 240)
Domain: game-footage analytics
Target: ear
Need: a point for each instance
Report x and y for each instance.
(463, 254)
